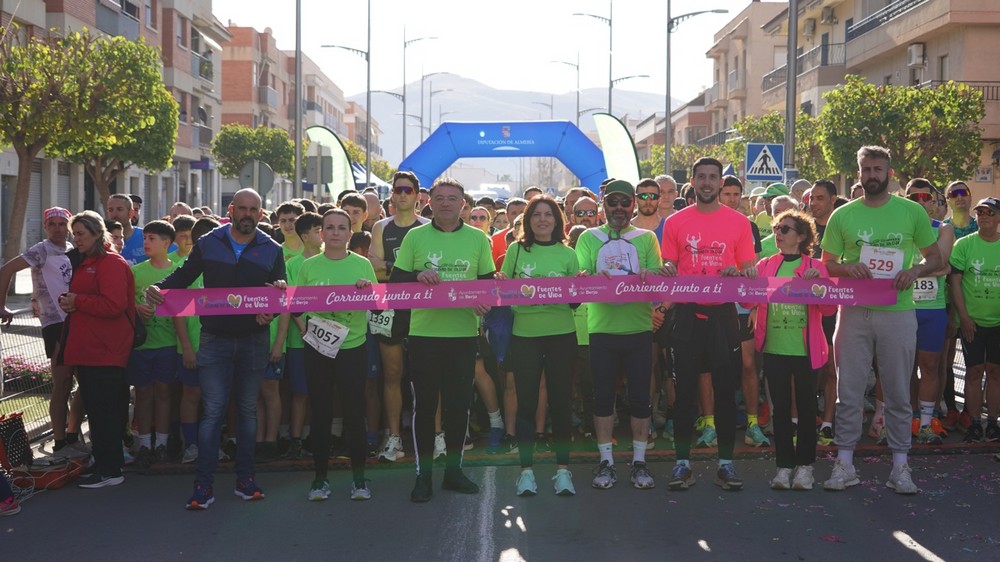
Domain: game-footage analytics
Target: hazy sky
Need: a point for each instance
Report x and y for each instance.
(506, 44)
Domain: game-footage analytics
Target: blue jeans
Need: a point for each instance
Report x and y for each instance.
(229, 366)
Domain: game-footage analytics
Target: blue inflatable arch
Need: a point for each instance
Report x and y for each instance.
(508, 139)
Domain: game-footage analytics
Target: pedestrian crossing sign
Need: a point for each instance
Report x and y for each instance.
(764, 161)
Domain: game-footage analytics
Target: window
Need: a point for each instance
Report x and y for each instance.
(182, 32)
(151, 13)
(887, 80)
(131, 10)
(943, 71)
(253, 72)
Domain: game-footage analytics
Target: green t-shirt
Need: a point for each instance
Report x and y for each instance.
(786, 322)
(289, 253)
(292, 268)
(461, 255)
(940, 294)
(900, 225)
(193, 323)
(619, 318)
(580, 319)
(553, 260)
(768, 247)
(763, 222)
(979, 263)
(177, 259)
(160, 331)
(321, 270)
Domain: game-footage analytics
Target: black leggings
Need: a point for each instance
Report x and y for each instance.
(347, 372)
(611, 354)
(554, 356)
(445, 367)
(780, 370)
(101, 390)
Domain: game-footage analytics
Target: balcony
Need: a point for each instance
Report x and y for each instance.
(736, 85)
(890, 12)
(990, 90)
(201, 135)
(202, 66)
(831, 54)
(712, 99)
(267, 96)
(717, 139)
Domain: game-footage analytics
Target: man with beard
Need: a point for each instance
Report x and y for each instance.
(234, 349)
(877, 236)
(707, 239)
(621, 335)
(585, 212)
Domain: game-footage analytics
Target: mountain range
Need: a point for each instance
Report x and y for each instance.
(464, 99)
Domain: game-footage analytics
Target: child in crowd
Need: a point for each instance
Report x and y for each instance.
(152, 366)
(188, 330)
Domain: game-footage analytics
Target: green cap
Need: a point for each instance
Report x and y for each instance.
(620, 186)
(776, 189)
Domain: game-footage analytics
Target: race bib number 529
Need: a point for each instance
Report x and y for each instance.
(884, 263)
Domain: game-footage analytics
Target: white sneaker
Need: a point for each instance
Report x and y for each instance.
(842, 477)
(393, 449)
(782, 480)
(190, 454)
(803, 479)
(901, 480)
(440, 449)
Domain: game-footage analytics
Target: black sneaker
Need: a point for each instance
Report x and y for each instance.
(975, 433)
(542, 443)
(423, 489)
(992, 433)
(95, 480)
(508, 445)
(143, 458)
(160, 455)
(294, 449)
(455, 481)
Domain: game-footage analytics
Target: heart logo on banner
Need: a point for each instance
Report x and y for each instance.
(528, 291)
(819, 290)
(235, 300)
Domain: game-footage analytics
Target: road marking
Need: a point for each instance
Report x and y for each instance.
(486, 507)
(704, 545)
(908, 542)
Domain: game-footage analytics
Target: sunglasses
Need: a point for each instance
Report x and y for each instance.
(403, 189)
(619, 202)
(958, 192)
(585, 213)
(478, 217)
(920, 197)
(785, 229)
(985, 212)
(648, 196)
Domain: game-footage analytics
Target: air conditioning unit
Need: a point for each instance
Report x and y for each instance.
(828, 17)
(915, 55)
(809, 29)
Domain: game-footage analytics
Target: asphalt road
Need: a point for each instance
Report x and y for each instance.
(953, 518)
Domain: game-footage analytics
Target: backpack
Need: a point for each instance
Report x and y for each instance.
(619, 256)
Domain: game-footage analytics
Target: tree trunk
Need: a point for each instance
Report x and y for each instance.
(19, 204)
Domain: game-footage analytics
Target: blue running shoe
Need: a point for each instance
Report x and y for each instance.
(201, 498)
(248, 490)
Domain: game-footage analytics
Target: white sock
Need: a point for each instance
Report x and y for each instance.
(795, 421)
(826, 424)
(161, 439)
(898, 459)
(684, 462)
(724, 462)
(496, 421)
(639, 451)
(146, 440)
(926, 413)
(337, 426)
(605, 450)
(846, 456)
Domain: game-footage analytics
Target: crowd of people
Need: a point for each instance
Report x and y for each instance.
(352, 384)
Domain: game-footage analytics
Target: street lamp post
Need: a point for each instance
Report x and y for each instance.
(368, 95)
(575, 65)
(430, 104)
(407, 43)
(608, 20)
(672, 24)
(551, 104)
(431, 110)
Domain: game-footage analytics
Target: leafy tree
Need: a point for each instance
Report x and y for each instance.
(380, 167)
(237, 144)
(123, 114)
(770, 128)
(932, 132)
(38, 86)
(682, 157)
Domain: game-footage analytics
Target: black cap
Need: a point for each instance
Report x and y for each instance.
(680, 203)
(135, 199)
(990, 203)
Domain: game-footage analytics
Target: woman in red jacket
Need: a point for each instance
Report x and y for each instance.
(794, 346)
(98, 339)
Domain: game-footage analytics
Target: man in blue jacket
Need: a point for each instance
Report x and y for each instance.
(234, 349)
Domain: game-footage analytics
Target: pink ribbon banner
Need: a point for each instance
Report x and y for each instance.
(548, 290)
